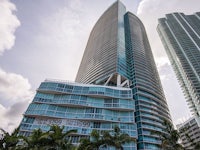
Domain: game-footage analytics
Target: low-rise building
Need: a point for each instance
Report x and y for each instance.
(83, 107)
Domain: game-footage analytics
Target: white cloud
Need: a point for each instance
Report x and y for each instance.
(10, 117)
(15, 95)
(149, 11)
(2, 118)
(75, 4)
(15, 90)
(64, 36)
(13, 87)
(8, 25)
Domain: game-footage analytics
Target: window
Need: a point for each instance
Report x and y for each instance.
(97, 125)
(89, 110)
(98, 110)
(61, 85)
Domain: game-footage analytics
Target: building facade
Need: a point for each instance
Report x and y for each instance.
(117, 84)
(83, 107)
(118, 54)
(104, 59)
(180, 35)
(190, 132)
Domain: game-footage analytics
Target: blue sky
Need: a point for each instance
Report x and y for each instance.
(46, 38)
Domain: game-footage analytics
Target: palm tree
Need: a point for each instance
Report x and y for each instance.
(117, 138)
(37, 140)
(54, 139)
(197, 146)
(9, 141)
(58, 138)
(169, 138)
(93, 144)
(113, 138)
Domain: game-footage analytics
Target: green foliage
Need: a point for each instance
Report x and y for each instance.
(169, 137)
(113, 138)
(9, 141)
(54, 139)
(197, 146)
(58, 139)
(36, 140)
(94, 143)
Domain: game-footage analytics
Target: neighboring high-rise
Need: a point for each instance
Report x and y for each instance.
(190, 133)
(180, 35)
(117, 84)
(118, 54)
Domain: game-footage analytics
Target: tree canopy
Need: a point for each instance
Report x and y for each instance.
(169, 137)
(54, 139)
(102, 139)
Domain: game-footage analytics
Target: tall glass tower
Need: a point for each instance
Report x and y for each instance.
(180, 35)
(104, 60)
(117, 84)
(118, 54)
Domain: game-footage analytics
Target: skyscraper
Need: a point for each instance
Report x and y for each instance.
(118, 54)
(104, 59)
(117, 84)
(180, 35)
